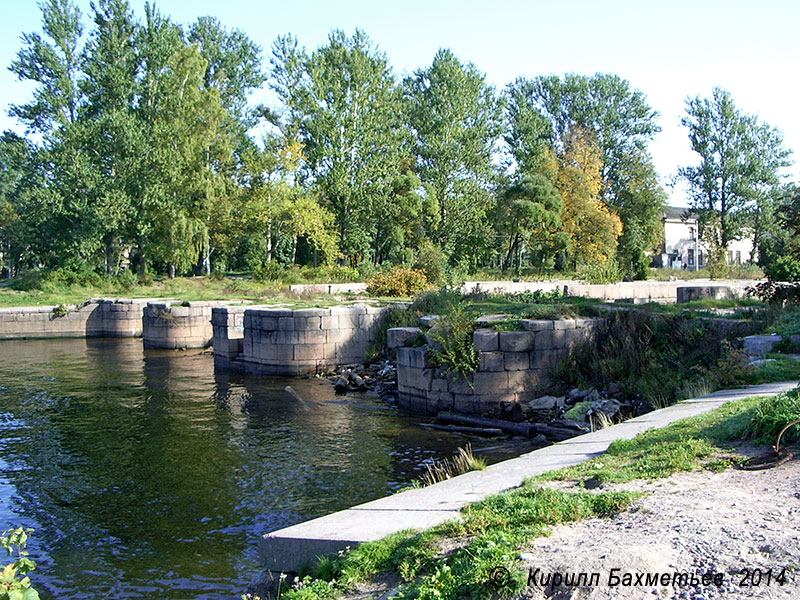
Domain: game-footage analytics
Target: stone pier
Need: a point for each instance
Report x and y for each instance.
(185, 325)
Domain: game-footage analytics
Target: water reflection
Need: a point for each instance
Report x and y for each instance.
(147, 474)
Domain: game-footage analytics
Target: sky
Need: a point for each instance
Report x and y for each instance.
(670, 50)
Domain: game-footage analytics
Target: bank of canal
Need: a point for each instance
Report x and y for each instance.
(148, 475)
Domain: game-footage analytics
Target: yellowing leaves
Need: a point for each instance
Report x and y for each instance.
(592, 227)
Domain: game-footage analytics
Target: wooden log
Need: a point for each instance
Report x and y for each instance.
(488, 431)
(557, 434)
(449, 418)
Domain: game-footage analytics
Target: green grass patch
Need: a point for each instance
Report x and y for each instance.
(785, 368)
(690, 443)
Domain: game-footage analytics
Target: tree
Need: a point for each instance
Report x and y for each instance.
(623, 125)
(740, 162)
(343, 106)
(592, 227)
(109, 125)
(455, 117)
(53, 62)
(528, 217)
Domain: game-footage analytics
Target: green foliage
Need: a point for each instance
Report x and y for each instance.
(432, 262)
(771, 415)
(607, 272)
(453, 348)
(60, 311)
(740, 163)
(656, 356)
(14, 581)
(398, 282)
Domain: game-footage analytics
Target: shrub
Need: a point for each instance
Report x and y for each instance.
(431, 261)
(269, 271)
(606, 272)
(773, 414)
(453, 334)
(398, 282)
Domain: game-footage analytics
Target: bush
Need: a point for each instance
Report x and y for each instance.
(397, 283)
(453, 334)
(269, 271)
(773, 414)
(607, 272)
(431, 261)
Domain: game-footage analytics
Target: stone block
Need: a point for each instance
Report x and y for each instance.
(536, 325)
(397, 337)
(485, 340)
(438, 384)
(267, 323)
(180, 311)
(437, 402)
(516, 341)
(490, 382)
(349, 321)
(308, 352)
(466, 403)
(412, 357)
(348, 309)
(516, 361)
(286, 323)
(492, 361)
(564, 324)
(458, 384)
(329, 352)
(307, 323)
(759, 345)
(329, 322)
(429, 320)
(522, 381)
(311, 312)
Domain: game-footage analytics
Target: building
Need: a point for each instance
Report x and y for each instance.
(683, 250)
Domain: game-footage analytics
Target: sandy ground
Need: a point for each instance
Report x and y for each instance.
(699, 522)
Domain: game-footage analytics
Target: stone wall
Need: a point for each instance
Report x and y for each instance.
(96, 318)
(515, 366)
(186, 325)
(651, 291)
(281, 341)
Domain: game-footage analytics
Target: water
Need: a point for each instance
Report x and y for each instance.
(150, 475)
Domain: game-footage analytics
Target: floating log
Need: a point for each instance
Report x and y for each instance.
(488, 431)
(449, 418)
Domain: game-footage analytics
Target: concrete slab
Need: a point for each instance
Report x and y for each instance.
(289, 549)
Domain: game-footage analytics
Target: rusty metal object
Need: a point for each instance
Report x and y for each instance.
(767, 461)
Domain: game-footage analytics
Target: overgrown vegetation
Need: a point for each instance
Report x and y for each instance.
(447, 468)
(662, 357)
(398, 282)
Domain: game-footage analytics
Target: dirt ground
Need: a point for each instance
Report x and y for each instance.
(699, 522)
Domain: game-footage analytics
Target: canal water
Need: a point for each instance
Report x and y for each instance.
(148, 474)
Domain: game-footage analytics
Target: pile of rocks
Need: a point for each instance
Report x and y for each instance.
(378, 380)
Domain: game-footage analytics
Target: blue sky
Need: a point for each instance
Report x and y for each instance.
(669, 50)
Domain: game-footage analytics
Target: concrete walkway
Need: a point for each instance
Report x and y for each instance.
(288, 549)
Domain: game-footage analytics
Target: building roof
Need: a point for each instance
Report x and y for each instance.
(678, 213)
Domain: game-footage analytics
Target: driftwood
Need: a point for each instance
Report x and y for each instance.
(449, 418)
(490, 431)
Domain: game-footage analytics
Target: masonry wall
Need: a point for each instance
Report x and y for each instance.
(96, 318)
(515, 366)
(170, 326)
(651, 291)
(279, 341)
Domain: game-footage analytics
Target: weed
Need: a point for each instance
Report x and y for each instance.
(448, 468)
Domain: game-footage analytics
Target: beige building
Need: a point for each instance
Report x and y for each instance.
(683, 250)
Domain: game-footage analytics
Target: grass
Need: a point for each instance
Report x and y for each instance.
(447, 468)
(784, 368)
(491, 533)
(454, 560)
(690, 443)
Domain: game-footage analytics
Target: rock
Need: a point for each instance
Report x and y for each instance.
(340, 385)
(358, 382)
(757, 362)
(576, 394)
(613, 389)
(759, 345)
(429, 320)
(547, 403)
(397, 337)
(609, 407)
(486, 319)
(433, 343)
(539, 440)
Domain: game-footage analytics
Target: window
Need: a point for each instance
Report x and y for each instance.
(691, 257)
(700, 258)
(738, 257)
